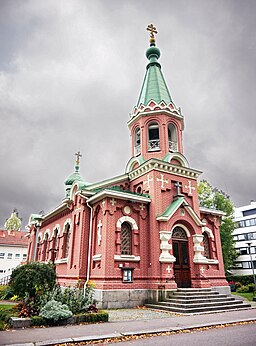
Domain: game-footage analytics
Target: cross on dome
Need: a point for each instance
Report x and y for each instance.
(152, 29)
(78, 155)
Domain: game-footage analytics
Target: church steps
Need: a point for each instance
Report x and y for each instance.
(201, 296)
(198, 301)
(203, 304)
(200, 309)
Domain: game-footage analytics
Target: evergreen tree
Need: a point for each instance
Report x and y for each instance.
(214, 198)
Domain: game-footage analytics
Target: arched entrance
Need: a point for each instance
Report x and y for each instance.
(180, 252)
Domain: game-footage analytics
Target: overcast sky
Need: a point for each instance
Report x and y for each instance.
(71, 72)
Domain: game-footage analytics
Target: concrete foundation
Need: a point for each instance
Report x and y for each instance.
(120, 299)
(222, 289)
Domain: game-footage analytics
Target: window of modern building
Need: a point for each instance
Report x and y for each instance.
(2, 255)
(243, 251)
(249, 212)
(9, 256)
(17, 256)
(24, 256)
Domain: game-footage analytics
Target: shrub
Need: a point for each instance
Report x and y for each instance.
(54, 311)
(243, 289)
(32, 279)
(6, 292)
(27, 309)
(38, 321)
(73, 297)
(101, 316)
(5, 313)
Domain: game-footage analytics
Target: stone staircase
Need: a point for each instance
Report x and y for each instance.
(198, 300)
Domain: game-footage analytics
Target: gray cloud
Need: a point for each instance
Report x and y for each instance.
(71, 71)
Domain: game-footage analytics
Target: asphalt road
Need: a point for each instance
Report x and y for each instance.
(239, 335)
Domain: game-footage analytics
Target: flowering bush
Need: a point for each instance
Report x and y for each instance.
(74, 298)
(54, 311)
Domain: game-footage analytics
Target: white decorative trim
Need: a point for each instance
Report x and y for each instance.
(48, 231)
(179, 157)
(96, 257)
(198, 257)
(129, 166)
(40, 236)
(162, 166)
(165, 256)
(61, 260)
(212, 211)
(181, 226)
(128, 219)
(67, 222)
(208, 231)
(56, 227)
(119, 195)
(129, 258)
(108, 182)
(143, 110)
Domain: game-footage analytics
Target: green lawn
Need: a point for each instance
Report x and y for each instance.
(248, 296)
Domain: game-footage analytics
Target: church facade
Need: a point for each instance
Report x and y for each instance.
(143, 233)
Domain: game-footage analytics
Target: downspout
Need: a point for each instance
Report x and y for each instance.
(36, 241)
(89, 249)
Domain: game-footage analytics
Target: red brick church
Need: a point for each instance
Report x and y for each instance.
(141, 233)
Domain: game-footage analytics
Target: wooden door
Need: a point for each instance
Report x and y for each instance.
(181, 265)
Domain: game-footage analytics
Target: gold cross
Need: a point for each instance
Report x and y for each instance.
(78, 155)
(152, 30)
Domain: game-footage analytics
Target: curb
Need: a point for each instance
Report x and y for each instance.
(139, 332)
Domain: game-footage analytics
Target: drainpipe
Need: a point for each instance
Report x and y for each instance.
(36, 241)
(89, 249)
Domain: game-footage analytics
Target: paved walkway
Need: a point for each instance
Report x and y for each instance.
(139, 321)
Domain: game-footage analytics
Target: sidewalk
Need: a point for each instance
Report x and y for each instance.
(76, 333)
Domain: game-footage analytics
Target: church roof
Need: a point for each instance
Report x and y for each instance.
(173, 207)
(154, 86)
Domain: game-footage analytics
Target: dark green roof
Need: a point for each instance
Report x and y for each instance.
(154, 86)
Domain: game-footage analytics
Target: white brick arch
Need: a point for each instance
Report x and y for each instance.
(66, 223)
(183, 227)
(56, 227)
(128, 219)
(47, 232)
(208, 231)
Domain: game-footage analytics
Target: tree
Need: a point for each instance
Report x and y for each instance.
(32, 278)
(214, 198)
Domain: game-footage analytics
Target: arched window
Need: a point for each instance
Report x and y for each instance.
(126, 239)
(179, 233)
(38, 249)
(172, 138)
(55, 239)
(66, 240)
(153, 137)
(206, 244)
(45, 247)
(137, 141)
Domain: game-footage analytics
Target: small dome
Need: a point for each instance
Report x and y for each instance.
(14, 222)
(153, 52)
(76, 176)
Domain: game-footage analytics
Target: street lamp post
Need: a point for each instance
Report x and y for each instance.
(253, 273)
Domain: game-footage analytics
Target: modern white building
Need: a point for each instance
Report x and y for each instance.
(13, 251)
(245, 238)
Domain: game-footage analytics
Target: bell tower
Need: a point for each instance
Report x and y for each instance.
(156, 124)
